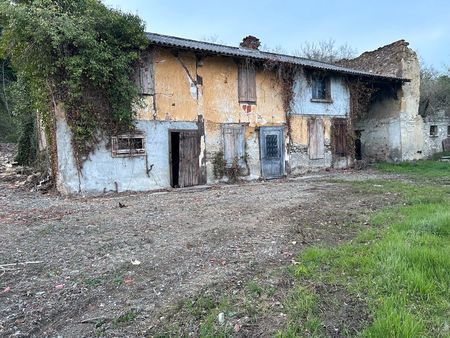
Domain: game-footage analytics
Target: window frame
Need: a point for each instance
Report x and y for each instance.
(434, 131)
(130, 151)
(327, 84)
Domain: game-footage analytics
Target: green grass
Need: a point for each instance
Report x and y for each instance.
(397, 273)
(423, 168)
(401, 266)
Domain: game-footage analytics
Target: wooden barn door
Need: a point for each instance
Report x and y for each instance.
(189, 166)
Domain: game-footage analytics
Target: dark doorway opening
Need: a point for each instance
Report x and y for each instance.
(358, 146)
(175, 158)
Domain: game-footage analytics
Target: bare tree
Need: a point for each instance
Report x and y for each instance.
(212, 39)
(326, 51)
(277, 49)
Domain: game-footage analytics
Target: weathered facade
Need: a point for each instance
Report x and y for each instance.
(210, 109)
(436, 133)
(391, 129)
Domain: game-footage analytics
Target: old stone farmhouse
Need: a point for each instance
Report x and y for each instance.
(211, 109)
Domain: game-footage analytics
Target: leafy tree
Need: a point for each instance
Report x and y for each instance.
(78, 54)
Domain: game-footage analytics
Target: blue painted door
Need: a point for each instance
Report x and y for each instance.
(271, 141)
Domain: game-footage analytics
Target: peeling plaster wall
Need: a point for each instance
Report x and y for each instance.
(104, 173)
(380, 139)
(380, 131)
(304, 109)
(340, 98)
(433, 144)
(412, 136)
(187, 86)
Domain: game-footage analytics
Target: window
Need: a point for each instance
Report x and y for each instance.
(433, 130)
(321, 89)
(128, 145)
(272, 147)
(247, 82)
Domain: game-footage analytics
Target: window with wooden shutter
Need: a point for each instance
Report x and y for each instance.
(234, 143)
(247, 82)
(340, 137)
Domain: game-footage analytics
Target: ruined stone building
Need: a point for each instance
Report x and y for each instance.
(210, 110)
(392, 128)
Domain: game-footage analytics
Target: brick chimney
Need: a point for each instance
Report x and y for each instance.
(250, 42)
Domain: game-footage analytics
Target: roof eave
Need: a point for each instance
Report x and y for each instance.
(273, 57)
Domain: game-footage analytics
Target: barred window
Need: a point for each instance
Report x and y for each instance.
(128, 145)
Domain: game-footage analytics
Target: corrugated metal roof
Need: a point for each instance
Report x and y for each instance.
(172, 41)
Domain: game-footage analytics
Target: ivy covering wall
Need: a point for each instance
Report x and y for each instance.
(78, 55)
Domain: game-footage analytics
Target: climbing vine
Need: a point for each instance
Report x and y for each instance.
(77, 56)
(285, 74)
(361, 96)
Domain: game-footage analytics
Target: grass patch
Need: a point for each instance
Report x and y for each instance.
(241, 306)
(401, 266)
(93, 282)
(424, 168)
(127, 317)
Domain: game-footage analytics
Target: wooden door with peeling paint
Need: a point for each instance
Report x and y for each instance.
(271, 140)
(339, 137)
(316, 147)
(234, 144)
(189, 163)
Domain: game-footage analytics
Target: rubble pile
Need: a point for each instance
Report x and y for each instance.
(21, 177)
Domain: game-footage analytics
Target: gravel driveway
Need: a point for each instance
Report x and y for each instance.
(93, 258)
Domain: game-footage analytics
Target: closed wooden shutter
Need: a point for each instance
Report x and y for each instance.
(247, 82)
(234, 143)
(316, 147)
(340, 137)
(145, 76)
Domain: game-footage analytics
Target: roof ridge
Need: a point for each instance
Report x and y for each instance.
(220, 49)
(239, 48)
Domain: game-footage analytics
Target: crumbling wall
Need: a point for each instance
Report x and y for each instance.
(433, 142)
(392, 129)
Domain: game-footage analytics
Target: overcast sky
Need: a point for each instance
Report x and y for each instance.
(362, 24)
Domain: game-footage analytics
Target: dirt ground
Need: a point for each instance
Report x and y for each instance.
(127, 258)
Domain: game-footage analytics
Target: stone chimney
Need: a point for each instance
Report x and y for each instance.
(250, 42)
